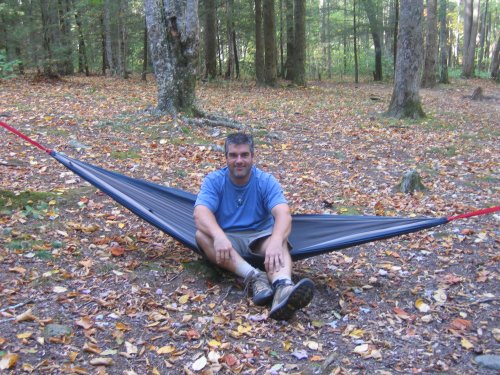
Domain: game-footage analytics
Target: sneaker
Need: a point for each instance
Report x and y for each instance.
(261, 288)
(288, 298)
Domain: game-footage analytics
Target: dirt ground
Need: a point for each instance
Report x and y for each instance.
(88, 288)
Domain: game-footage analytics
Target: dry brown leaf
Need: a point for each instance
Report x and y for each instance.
(26, 316)
(8, 361)
(85, 322)
(101, 361)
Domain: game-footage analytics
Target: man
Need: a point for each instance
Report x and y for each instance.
(241, 212)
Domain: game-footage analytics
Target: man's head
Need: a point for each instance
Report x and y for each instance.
(239, 139)
(239, 150)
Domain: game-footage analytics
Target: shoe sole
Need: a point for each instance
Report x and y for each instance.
(299, 298)
(263, 300)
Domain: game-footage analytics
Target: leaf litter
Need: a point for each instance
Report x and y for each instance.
(89, 288)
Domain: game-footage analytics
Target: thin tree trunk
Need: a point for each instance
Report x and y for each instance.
(429, 74)
(270, 42)
(373, 13)
(482, 36)
(405, 102)
(83, 65)
(443, 43)
(300, 43)
(289, 40)
(282, 50)
(259, 44)
(355, 31)
(210, 39)
(495, 61)
(230, 65)
(396, 27)
(144, 53)
(110, 64)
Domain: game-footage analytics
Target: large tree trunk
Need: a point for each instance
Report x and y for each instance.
(259, 44)
(495, 61)
(443, 43)
(173, 40)
(374, 17)
(289, 40)
(471, 15)
(300, 43)
(429, 74)
(270, 43)
(210, 39)
(405, 100)
(47, 41)
(144, 53)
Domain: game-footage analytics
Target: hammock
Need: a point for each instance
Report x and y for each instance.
(171, 210)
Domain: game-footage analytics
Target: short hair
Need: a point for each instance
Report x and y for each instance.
(238, 139)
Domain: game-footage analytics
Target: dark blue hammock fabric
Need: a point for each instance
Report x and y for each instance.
(171, 210)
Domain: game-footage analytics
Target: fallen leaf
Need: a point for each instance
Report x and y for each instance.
(361, 349)
(401, 313)
(117, 251)
(59, 289)
(200, 363)
(24, 335)
(461, 324)
(85, 322)
(466, 343)
(8, 361)
(101, 361)
(167, 349)
(422, 306)
(440, 296)
(26, 316)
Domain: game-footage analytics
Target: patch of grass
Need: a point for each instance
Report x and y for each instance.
(202, 268)
(122, 155)
(22, 245)
(448, 151)
(105, 268)
(20, 200)
(43, 254)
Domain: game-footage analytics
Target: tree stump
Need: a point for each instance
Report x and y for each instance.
(411, 182)
(478, 94)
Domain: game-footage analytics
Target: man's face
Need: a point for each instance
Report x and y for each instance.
(239, 161)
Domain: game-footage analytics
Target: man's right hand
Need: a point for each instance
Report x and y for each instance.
(223, 249)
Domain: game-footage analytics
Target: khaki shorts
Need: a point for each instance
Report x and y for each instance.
(245, 243)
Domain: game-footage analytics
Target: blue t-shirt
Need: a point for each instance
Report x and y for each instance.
(240, 208)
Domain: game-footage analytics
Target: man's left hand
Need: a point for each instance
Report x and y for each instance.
(274, 260)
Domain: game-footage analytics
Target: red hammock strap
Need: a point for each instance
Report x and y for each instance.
(484, 211)
(25, 137)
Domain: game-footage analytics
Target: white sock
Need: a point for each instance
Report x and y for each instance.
(243, 269)
(274, 280)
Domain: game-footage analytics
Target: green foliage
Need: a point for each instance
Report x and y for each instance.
(7, 67)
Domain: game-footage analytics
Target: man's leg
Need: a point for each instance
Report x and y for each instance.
(288, 297)
(258, 280)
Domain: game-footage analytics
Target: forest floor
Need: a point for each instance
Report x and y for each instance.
(88, 288)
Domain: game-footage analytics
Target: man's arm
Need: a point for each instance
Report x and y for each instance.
(206, 223)
(278, 242)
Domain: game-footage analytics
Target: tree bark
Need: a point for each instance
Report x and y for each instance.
(482, 36)
(443, 43)
(173, 40)
(373, 13)
(405, 101)
(270, 43)
(210, 39)
(300, 43)
(83, 65)
(289, 40)
(259, 44)
(110, 63)
(144, 53)
(429, 74)
(471, 15)
(495, 61)
(355, 37)
(231, 63)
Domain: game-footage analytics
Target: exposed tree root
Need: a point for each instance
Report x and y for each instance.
(201, 118)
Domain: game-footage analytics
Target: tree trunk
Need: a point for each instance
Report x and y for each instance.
(355, 37)
(123, 38)
(230, 66)
(429, 74)
(373, 13)
(259, 44)
(443, 43)
(482, 36)
(47, 41)
(471, 15)
(105, 66)
(110, 64)
(144, 53)
(405, 100)
(173, 40)
(210, 39)
(281, 42)
(83, 65)
(300, 43)
(289, 40)
(396, 27)
(270, 43)
(495, 61)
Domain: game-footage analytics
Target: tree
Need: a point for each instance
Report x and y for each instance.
(173, 41)
(210, 39)
(259, 44)
(482, 35)
(374, 17)
(270, 71)
(443, 43)
(429, 73)
(471, 15)
(231, 41)
(405, 101)
(289, 40)
(495, 61)
(300, 43)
